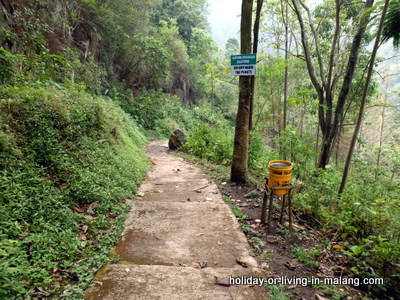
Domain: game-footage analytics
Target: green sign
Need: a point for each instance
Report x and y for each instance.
(244, 59)
(243, 64)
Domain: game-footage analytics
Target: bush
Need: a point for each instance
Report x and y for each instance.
(211, 136)
(157, 113)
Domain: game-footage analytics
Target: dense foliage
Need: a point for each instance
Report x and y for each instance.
(67, 161)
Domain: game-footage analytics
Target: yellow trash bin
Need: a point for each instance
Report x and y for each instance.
(280, 173)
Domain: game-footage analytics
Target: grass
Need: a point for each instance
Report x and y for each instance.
(277, 293)
(307, 256)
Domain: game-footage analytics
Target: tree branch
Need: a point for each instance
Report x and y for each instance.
(310, 67)
(352, 62)
(317, 48)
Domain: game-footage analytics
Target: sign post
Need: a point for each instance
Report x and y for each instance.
(243, 65)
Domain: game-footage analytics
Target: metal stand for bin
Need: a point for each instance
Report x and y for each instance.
(269, 195)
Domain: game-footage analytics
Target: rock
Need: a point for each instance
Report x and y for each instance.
(246, 261)
(177, 139)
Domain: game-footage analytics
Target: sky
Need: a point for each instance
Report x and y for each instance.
(224, 20)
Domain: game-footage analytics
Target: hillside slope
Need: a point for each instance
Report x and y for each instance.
(67, 162)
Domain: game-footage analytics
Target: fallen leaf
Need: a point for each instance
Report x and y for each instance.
(295, 227)
(292, 264)
(90, 209)
(337, 247)
(202, 264)
(98, 283)
(246, 293)
(319, 297)
(43, 291)
(77, 209)
(200, 234)
(83, 237)
(85, 228)
(272, 239)
(220, 243)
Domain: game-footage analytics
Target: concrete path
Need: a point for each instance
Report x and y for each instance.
(181, 241)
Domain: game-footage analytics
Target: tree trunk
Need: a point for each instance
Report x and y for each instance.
(378, 160)
(338, 148)
(302, 121)
(363, 99)
(285, 87)
(255, 50)
(317, 146)
(332, 126)
(241, 142)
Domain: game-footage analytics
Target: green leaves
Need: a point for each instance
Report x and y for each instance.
(356, 250)
(391, 29)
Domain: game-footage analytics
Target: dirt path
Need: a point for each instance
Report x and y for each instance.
(181, 241)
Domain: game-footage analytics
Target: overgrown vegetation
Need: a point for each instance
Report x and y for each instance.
(67, 162)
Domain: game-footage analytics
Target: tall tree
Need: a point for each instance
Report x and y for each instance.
(188, 14)
(327, 75)
(363, 99)
(241, 142)
(255, 50)
(285, 17)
